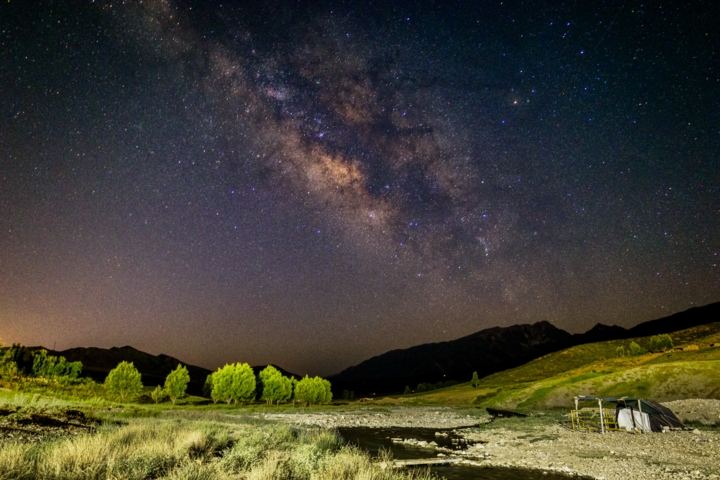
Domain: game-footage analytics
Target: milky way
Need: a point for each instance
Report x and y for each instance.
(310, 185)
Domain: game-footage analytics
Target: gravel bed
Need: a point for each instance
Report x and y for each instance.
(415, 417)
(706, 411)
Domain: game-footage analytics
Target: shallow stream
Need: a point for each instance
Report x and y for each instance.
(375, 439)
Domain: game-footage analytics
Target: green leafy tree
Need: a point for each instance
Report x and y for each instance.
(8, 367)
(346, 394)
(636, 350)
(124, 381)
(275, 387)
(313, 390)
(620, 351)
(661, 343)
(243, 383)
(176, 383)
(158, 395)
(222, 384)
(475, 381)
(407, 390)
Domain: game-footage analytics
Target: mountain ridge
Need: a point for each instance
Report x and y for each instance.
(495, 349)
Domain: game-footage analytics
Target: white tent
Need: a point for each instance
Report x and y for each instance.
(630, 419)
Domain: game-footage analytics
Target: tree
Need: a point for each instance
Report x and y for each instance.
(233, 383)
(222, 384)
(274, 389)
(636, 350)
(620, 351)
(243, 383)
(313, 390)
(124, 381)
(176, 383)
(475, 381)
(407, 390)
(661, 343)
(158, 395)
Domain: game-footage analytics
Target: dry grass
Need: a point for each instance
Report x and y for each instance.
(194, 449)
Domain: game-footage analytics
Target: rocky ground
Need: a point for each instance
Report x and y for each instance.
(613, 456)
(706, 411)
(35, 425)
(416, 417)
(690, 454)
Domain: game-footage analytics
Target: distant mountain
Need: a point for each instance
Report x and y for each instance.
(97, 363)
(492, 350)
(679, 321)
(487, 351)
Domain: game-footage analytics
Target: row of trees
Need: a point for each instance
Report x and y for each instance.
(18, 361)
(234, 383)
(658, 343)
(125, 382)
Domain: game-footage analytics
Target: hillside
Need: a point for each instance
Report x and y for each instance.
(595, 369)
(495, 349)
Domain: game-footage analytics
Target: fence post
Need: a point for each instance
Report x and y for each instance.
(602, 418)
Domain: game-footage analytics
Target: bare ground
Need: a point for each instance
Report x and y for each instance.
(552, 447)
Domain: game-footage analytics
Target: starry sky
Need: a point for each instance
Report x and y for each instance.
(314, 183)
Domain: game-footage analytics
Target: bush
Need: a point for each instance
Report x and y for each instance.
(51, 367)
(661, 343)
(620, 351)
(636, 350)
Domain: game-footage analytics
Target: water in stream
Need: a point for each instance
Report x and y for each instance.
(375, 439)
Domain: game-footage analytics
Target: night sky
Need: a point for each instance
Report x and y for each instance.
(314, 183)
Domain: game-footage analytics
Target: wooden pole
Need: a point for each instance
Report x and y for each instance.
(602, 420)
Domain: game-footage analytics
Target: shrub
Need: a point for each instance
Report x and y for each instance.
(636, 350)
(51, 367)
(661, 343)
(620, 351)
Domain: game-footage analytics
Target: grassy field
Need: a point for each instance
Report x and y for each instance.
(138, 442)
(595, 369)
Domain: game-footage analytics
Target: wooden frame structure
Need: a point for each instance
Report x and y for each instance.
(593, 419)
